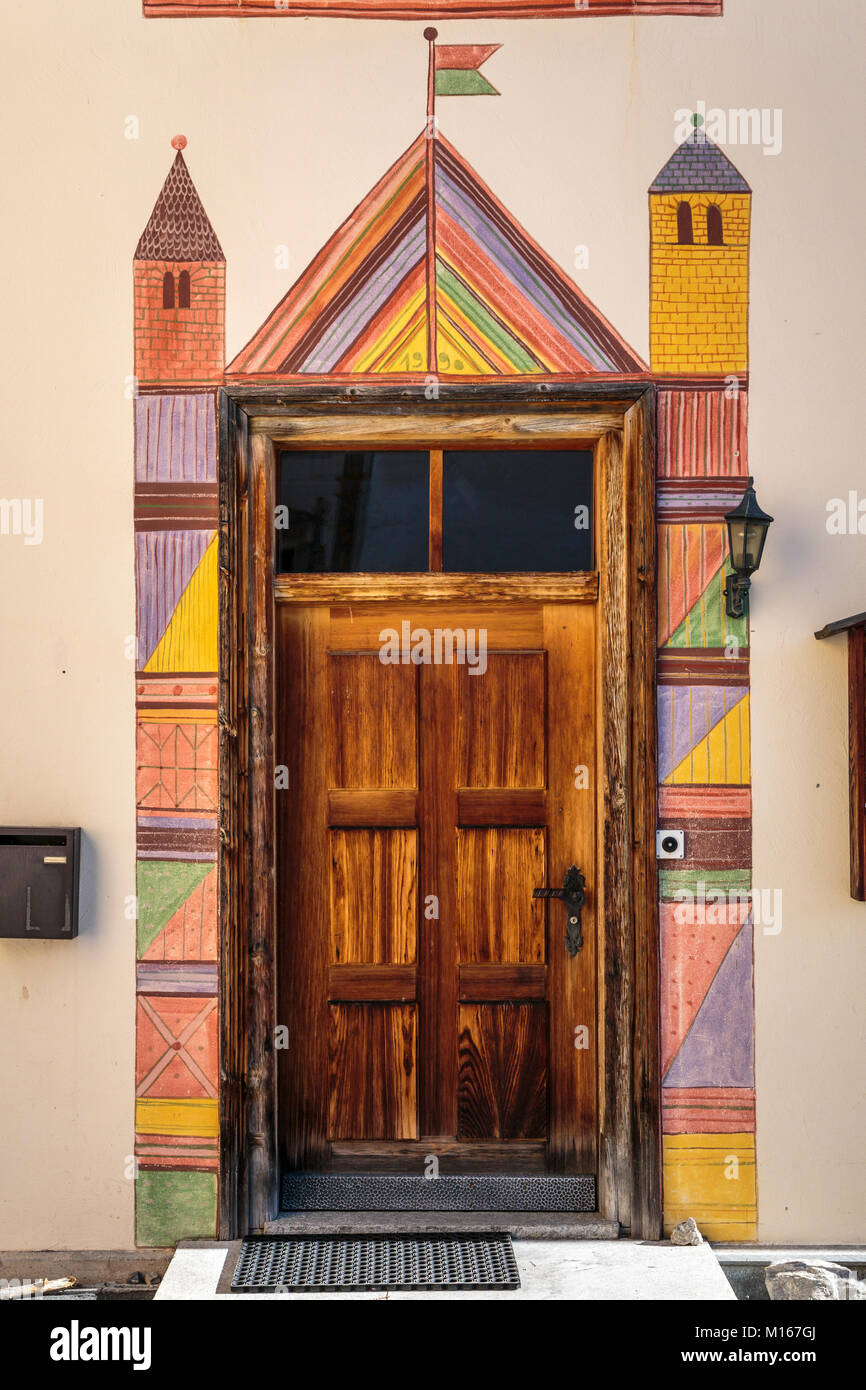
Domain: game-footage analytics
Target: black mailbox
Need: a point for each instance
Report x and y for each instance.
(39, 883)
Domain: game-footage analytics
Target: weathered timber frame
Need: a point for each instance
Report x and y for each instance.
(616, 420)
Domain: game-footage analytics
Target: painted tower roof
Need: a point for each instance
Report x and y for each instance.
(179, 228)
(699, 166)
(431, 266)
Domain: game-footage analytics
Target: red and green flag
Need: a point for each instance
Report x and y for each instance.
(457, 69)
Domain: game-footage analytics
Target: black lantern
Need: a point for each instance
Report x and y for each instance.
(747, 532)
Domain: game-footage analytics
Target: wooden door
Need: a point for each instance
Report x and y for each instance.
(431, 1006)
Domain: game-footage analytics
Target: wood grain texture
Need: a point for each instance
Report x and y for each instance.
(503, 1071)
(500, 730)
(437, 973)
(453, 1155)
(436, 588)
(374, 905)
(857, 758)
(304, 888)
(438, 429)
(499, 922)
(359, 628)
(366, 984)
(643, 930)
(372, 752)
(259, 830)
(486, 984)
(373, 1079)
(514, 806)
(572, 720)
(436, 473)
(378, 807)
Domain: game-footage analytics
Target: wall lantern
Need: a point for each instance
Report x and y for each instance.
(747, 532)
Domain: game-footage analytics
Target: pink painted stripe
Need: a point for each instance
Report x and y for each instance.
(732, 802)
(702, 434)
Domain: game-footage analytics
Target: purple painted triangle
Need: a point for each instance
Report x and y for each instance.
(165, 563)
(686, 714)
(718, 1049)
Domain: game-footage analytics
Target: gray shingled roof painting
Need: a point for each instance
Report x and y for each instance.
(179, 228)
(699, 166)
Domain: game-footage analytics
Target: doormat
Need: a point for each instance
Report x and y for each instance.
(448, 1192)
(275, 1264)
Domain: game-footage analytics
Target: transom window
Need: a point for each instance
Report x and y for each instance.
(472, 511)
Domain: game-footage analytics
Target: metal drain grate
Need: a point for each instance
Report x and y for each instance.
(274, 1263)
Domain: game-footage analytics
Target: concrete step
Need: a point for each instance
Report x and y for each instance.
(533, 1225)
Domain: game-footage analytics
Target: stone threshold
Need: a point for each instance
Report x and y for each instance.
(532, 1225)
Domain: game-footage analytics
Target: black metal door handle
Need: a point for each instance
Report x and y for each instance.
(573, 894)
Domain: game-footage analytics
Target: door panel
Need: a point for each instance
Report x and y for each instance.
(503, 1071)
(374, 876)
(431, 1004)
(498, 921)
(372, 1081)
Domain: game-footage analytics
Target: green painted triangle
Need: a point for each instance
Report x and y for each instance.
(463, 82)
(480, 317)
(706, 623)
(164, 886)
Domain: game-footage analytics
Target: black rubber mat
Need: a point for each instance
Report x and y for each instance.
(448, 1192)
(282, 1264)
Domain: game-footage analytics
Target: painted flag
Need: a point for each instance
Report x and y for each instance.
(457, 69)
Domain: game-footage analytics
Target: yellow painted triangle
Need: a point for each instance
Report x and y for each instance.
(722, 757)
(403, 345)
(189, 643)
(456, 354)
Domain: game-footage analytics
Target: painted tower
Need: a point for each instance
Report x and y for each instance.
(699, 262)
(699, 256)
(180, 287)
(179, 281)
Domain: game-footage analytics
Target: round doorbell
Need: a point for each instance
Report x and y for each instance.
(670, 844)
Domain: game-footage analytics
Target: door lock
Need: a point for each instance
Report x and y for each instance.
(573, 894)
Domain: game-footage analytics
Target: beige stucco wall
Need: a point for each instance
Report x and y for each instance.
(289, 124)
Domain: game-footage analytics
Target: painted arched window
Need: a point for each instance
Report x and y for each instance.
(183, 290)
(685, 231)
(715, 234)
(168, 290)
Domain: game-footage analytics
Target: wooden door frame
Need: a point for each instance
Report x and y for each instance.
(616, 420)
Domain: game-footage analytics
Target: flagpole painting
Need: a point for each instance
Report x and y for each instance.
(453, 70)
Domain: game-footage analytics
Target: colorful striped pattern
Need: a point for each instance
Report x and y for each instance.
(502, 306)
(702, 434)
(175, 439)
(422, 9)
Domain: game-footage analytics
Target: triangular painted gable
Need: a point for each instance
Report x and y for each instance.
(502, 306)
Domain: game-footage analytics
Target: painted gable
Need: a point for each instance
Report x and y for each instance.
(423, 250)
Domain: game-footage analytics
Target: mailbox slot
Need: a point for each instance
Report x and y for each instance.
(39, 883)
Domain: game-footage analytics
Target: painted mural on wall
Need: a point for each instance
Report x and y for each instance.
(430, 275)
(179, 278)
(415, 9)
(699, 289)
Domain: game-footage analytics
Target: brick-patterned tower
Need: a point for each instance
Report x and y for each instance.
(699, 223)
(699, 262)
(180, 288)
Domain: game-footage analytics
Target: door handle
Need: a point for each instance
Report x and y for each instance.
(573, 894)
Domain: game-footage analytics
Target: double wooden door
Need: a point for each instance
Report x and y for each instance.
(430, 1003)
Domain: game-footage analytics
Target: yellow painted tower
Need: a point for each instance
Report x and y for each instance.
(700, 209)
